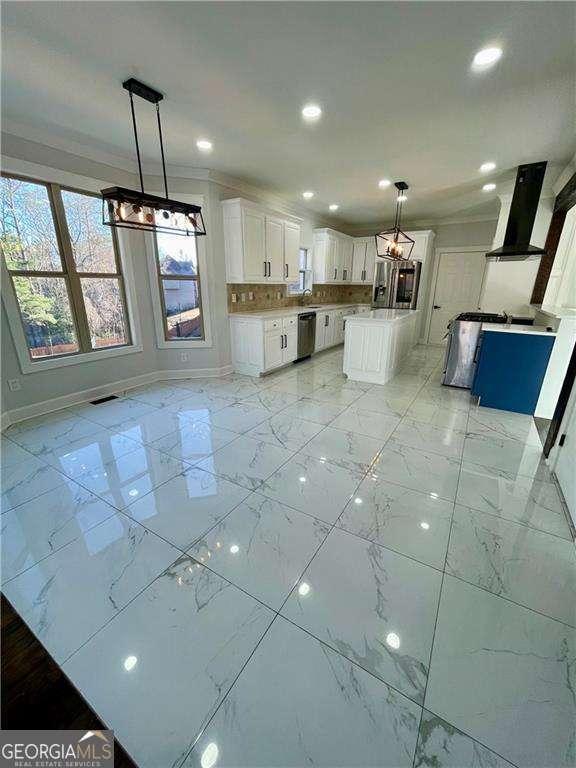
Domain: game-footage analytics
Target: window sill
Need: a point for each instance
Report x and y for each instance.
(175, 345)
(48, 364)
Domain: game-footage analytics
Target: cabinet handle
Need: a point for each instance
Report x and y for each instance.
(281, 341)
(344, 274)
(285, 341)
(265, 275)
(335, 272)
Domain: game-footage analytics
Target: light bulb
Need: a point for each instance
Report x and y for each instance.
(311, 112)
(308, 195)
(486, 58)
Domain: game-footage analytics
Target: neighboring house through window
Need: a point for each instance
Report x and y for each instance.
(64, 267)
(179, 284)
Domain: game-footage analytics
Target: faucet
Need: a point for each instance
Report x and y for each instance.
(303, 299)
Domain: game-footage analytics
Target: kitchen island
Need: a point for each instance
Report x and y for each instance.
(376, 342)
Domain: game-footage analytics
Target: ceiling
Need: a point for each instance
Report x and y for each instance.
(393, 78)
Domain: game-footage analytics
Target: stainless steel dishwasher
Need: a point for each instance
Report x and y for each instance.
(306, 334)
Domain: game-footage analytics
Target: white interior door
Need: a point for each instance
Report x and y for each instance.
(457, 289)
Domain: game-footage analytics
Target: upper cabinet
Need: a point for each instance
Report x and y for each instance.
(332, 256)
(260, 246)
(339, 258)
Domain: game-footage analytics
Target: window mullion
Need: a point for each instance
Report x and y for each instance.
(75, 286)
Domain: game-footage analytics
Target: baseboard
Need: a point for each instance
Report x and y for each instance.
(113, 388)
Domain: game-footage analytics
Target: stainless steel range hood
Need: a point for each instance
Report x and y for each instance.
(523, 209)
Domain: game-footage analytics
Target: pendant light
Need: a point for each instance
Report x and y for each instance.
(393, 243)
(132, 209)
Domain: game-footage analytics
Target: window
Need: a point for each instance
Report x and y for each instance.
(179, 284)
(64, 267)
(304, 274)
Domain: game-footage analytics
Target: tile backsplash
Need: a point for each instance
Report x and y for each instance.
(276, 296)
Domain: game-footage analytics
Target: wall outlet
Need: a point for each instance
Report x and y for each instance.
(184, 357)
(14, 385)
(234, 297)
(242, 297)
(250, 296)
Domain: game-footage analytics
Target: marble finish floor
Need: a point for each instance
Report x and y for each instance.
(300, 570)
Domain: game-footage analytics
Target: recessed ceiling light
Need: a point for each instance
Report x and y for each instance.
(311, 112)
(488, 187)
(384, 183)
(204, 145)
(486, 58)
(402, 198)
(487, 167)
(304, 589)
(333, 207)
(307, 195)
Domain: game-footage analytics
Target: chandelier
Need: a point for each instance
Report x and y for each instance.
(139, 210)
(393, 243)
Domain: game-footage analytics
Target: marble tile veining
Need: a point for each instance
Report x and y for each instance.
(414, 544)
(246, 461)
(514, 497)
(39, 527)
(262, 547)
(386, 622)
(529, 567)
(315, 486)
(423, 471)
(169, 660)
(187, 506)
(441, 745)
(68, 596)
(346, 449)
(409, 522)
(312, 708)
(505, 676)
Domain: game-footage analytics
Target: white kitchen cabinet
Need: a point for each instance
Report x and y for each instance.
(358, 260)
(274, 249)
(291, 233)
(273, 348)
(345, 246)
(325, 330)
(363, 257)
(260, 246)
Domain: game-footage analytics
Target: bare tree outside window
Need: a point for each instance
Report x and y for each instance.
(64, 268)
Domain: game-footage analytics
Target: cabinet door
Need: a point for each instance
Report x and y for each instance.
(333, 261)
(275, 249)
(253, 246)
(320, 331)
(358, 258)
(273, 343)
(370, 261)
(291, 251)
(290, 346)
(329, 331)
(346, 246)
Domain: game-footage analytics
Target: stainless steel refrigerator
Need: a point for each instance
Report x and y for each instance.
(396, 284)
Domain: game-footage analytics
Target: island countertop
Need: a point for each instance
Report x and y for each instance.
(382, 316)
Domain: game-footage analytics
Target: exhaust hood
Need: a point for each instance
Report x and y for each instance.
(523, 209)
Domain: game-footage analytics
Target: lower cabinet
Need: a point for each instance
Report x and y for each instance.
(510, 369)
(260, 345)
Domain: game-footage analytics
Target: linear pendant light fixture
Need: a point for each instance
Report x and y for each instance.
(138, 210)
(393, 243)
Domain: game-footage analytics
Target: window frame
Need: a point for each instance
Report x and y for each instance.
(202, 279)
(72, 280)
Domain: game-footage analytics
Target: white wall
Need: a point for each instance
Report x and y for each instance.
(49, 164)
(508, 285)
(53, 165)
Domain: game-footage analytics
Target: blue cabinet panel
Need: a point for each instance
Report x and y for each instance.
(510, 370)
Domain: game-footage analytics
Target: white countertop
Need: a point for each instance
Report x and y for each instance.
(535, 330)
(266, 314)
(382, 316)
